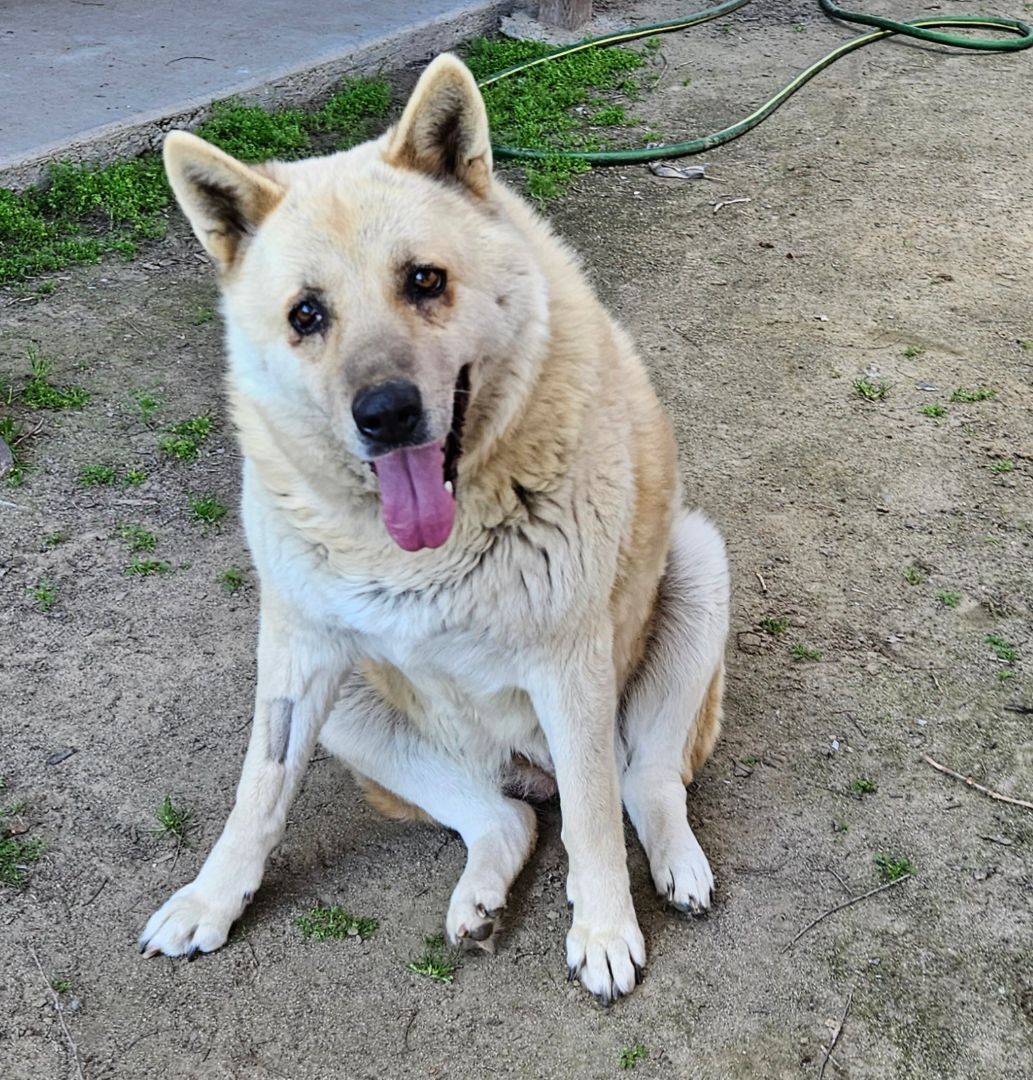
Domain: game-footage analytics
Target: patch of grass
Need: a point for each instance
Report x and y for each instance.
(40, 393)
(863, 786)
(252, 134)
(55, 539)
(14, 433)
(203, 314)
(631, 1055)
(1002, 465)
(147, 404)
(183, 441)
(949, 599)
(913, 575)
(138, 538)
(611, 116)
(980, 393)
(147, 567)
(436, 961)
(60, 985)
(802, 651)
(1003, 650)
(773, 626)
(232, 580)
(322, 923)
(207, 509)
(97, 475)
(891, 869)
(133, 477)
(912, 351)
(1026, 344)
(44, 592)
(172, 821)
(355, 113)
(935, 410)
(536, 109)
(1005, 674)
(17, 856)
(871, 390)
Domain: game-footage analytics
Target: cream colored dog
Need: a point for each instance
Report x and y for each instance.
(460, 491)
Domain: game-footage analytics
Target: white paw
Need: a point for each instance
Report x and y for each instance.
(191, 921)
(474, 910)
(607, 959)
(682, 875)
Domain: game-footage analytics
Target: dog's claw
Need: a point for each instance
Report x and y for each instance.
(638, 972)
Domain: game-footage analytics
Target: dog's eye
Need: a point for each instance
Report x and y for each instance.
(425, 282)
(307, 316)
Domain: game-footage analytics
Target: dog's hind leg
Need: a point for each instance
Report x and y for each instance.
(671, 711)
(380, 744)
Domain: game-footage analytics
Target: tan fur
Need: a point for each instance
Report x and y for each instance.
(706, 728)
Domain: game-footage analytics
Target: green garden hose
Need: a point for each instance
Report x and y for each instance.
(915, 28)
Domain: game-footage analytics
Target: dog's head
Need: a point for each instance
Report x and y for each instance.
(370, 296)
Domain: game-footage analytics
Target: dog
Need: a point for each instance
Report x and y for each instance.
(478, 582)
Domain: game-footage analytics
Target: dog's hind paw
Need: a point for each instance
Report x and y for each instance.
(189, 923)
(608, 962)
(684, 879)
(473, 917)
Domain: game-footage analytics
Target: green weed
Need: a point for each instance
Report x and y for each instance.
(913, 575)
(17, 856)
(536, 108)
(55, 539)
(147, 567)
(207, 509)
(60, 985)
(252, 134)
(183, 441)
(97, 475)
(949, 599)
(632, 1055)
(912, 351)
(172, 821)
(355, 113)
(203, 314)
(980, 393)
(147, 404)
(773, 626)
(935, 410)
(44, 592)
(436, 961)
(138, 538)
(1002, 465)
(232, 580)
(863, 786)
(41, 393)
(133, 477)
(891, 869)
(1003, 650)
(802, 651)
(870, 390)
(322, 923)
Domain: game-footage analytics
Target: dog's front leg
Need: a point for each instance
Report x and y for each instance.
(576, 699)
(300, 669)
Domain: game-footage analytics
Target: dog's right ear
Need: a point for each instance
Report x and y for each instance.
(224, 200)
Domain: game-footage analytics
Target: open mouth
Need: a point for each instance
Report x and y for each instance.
(418, 483)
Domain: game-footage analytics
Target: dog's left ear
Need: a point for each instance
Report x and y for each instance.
(444, 129)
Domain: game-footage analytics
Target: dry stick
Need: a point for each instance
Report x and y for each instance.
(845, 904)
(979, 787)
(835, 1036)
(60, 1014)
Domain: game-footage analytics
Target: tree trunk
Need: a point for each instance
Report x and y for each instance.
(569, 14)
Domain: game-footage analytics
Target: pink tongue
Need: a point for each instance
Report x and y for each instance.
(418, 511)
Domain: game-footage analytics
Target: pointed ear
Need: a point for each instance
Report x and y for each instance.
(444, 129)
(224, 200)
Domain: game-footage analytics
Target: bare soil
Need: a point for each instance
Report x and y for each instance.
(887, 234)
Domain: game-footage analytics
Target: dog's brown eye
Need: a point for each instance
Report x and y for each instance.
(425, 281)
(307, 316)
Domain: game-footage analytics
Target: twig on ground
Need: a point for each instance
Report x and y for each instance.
(96, 892)
(763, 583)
(835, 1036)
(729, 202)
(845, 904)
(979, 787)
(1025, 710)
(60, 1014)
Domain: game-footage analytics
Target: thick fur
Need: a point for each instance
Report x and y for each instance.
(570, 632)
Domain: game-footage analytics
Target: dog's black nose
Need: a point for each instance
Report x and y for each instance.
(389, 413)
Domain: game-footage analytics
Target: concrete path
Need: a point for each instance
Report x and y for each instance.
(100, 77)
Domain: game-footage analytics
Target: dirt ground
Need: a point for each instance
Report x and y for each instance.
(887, 234)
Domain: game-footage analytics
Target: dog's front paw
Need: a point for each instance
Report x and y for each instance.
(191, 921)
(607, 959)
